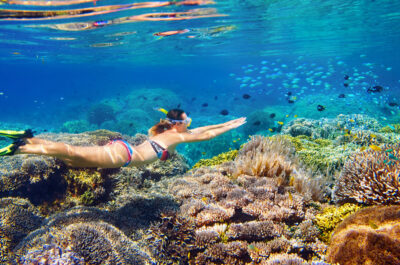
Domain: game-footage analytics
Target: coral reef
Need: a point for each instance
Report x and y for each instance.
(371, 177)
(18, 217)
(77, 126)
(216, 160)
(370, 236)
(233, 216)
(81, 234)
(99, 113)
(321, 155)
(269, 157)
(331, 217)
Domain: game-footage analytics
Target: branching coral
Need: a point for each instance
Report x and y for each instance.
(370, 236)
(371, 177)
(331, 217)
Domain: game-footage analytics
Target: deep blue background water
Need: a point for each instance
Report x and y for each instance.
(41, 76)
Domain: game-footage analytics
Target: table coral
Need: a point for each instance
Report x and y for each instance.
(232, 214)
(371, 177)
(370, 236)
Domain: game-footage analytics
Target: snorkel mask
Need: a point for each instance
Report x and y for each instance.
(186, 121)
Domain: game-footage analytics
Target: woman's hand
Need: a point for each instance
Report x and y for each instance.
(236, 123)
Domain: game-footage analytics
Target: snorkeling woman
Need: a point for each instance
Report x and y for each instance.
(163, 139)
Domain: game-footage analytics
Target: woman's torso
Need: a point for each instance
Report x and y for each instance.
(144, 152)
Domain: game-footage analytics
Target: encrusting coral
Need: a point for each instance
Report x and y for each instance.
(216, 160)
(331, 217)
(370, 236)
(371, 177)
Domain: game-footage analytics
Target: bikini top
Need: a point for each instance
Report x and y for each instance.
(162, 153)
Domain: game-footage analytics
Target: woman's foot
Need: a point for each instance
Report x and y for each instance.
(10, 149)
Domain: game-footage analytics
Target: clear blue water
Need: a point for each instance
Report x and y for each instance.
(54, 70)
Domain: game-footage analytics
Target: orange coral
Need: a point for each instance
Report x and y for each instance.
(370, 236)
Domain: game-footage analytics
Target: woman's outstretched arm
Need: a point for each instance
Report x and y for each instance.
(212, 131)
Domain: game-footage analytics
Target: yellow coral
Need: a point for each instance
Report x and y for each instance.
(216, 160)
(331, 217)
(83, 182)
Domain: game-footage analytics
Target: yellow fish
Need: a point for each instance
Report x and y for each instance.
(287, 116)
(290, 196)
(270, 130)
(363, 148)
(16, 53)
(372, 135)
(295, 116)
(375, 147)
(204, 199)
(351, 120)
(280, 123)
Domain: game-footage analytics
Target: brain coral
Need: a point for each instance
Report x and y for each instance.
(370, 236)
(371, 177)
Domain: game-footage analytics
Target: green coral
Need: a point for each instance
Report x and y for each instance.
(321, 154)
(331, 217)
(83, 183)
(216, 160)
(393, 128)
(87, 198)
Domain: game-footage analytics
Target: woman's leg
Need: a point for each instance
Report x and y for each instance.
(107, 156)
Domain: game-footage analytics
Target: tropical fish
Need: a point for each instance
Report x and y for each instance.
(320, 108)
(375, 147)
(372, 135)
(246, 96)
(351, 120)
(224, 112)
(280, 123)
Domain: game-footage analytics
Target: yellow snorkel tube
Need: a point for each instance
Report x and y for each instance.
(162, 110)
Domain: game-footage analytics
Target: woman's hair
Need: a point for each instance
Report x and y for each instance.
(164, 125)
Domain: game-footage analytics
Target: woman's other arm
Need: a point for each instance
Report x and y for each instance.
(209, 132)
